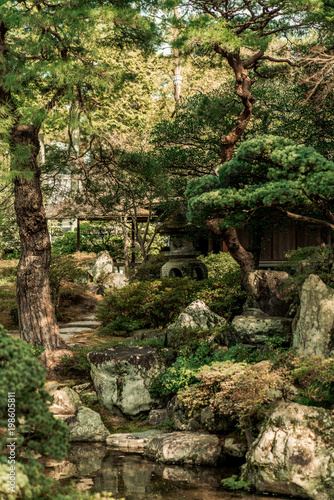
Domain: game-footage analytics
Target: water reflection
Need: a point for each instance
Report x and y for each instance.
(133, 477)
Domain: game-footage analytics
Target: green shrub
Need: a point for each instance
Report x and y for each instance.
(240, 390)
(220, 264)
(183, 372)
(309, 260)
(63, 269)
(315, 378)
(93, 238)
(150, 269)
(36, 429)
(158, 303)
(124, 325)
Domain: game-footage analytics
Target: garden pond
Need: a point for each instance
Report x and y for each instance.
(96, 468)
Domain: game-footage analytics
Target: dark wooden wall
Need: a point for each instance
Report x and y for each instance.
(276, 243)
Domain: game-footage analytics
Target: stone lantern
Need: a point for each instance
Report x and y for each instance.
(182, 257)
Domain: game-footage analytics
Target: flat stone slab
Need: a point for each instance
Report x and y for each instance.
(185, 448)
(134, 441)
(73, 329)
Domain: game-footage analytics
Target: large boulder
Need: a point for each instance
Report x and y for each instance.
(185, 448)
(314, 333)
(122, 377)
(86, 425)
(197, 316)
(256, 327)
(102, 266)
(294, 453)
(269, 290)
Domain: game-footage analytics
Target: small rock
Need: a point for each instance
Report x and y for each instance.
(86, 425)
(269, 292)
(82, 387)
(157, 417)
(114, 280)
(197, 316)
(185, 448)
(134, 441)
(235, 447)
(65, 402)
(51, 387)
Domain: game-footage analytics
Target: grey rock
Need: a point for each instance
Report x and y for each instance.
(268, 290)
(235, 447)
(314, 333)
(185, 448)
(114, 280)
(134, 441)
(157, 417)
(256, 329)
(86, 425)
(102, 266)
(149, 333)
(206, 420)
(294, 453)
(65, 401)
(197, 316)
(122, 377)
(82, 387)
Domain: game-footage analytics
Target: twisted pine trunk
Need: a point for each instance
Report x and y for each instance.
(37, 319)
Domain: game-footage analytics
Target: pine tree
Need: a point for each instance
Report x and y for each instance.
(49, 57)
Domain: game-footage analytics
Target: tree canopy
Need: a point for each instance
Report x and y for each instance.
(268, 174)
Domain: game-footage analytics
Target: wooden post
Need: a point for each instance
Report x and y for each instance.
(78, 235)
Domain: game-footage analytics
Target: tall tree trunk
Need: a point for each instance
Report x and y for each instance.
(242, 89)
(240, 255)
(36, 312)
(177, 77)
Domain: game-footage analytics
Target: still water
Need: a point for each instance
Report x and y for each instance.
(130, 476)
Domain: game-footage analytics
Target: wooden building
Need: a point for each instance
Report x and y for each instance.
(276, 243)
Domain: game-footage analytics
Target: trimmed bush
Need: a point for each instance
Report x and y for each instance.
(158, 303)
(36, 429)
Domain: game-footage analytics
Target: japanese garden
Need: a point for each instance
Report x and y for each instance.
(166, 249)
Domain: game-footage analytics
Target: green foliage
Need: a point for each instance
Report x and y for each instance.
(93, 238)
(302, 262)
(37, 350)
(267, 173)
(183, 372)
(150, 269)
(315, 377)
(242, 391)
(234, 483)
(272, 350)
(36, 429)
(63, 269)
(158, 303)
(9, 237)
(124, 325)
(220, 265)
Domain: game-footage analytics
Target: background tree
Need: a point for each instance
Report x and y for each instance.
(269, 175)
(49, 56)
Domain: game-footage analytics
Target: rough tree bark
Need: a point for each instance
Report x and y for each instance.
(37, 319)
(242, 89)
(240, 255)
